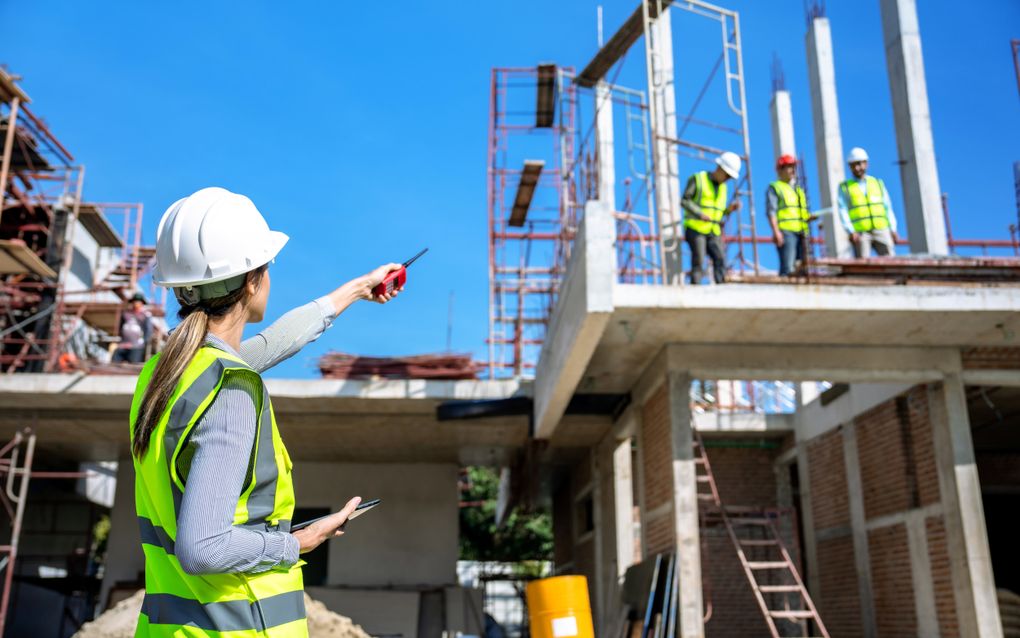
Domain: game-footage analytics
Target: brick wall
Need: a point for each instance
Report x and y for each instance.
(827, 472)
(657, 472)
(839, 603)
(1002, 358)
(892, 586)
(945, 605)
(744, 476)
(659, 535)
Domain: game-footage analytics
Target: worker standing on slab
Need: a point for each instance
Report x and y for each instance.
(865, 209)
(787, 210)
(135, 332)
(213, 488)
(705, 210)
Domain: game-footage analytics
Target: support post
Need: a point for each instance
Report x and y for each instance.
(909, 92)
(604, 140)
(5, 164)
(859, 530)
(623, 493)
(783, 142)
(977, 608)
(828, 140)
(685, 505)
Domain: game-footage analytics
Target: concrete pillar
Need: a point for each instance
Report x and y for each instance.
(918, 173)
(859, 531)
(667, 177)
(685, 505)
(828, 141)
(920, 573)
(977, 608)
(807, 519)
(782, 125)
(124, 557)
(604, 139)
(623, 492)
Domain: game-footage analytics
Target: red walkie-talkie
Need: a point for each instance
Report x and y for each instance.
(397, 278)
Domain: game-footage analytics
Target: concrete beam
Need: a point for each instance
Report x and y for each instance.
(685, 506)
(828, 139)
(977, 608)
(584, 306)
(806, 363)
(909, 92)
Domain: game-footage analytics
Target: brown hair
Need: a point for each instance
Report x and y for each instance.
(180, 349)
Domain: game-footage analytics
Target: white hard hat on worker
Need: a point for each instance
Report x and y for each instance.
(207, 241)
(856, 154)
(729, 162)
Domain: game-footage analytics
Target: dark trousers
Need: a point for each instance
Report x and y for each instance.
(700, 244)
(128, 355)
(790, 252)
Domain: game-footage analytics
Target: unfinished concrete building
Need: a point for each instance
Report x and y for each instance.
(829, 454)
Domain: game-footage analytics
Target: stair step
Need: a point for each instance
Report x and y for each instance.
(778, 589)
(704, 479)
(756, 542)
(768, 564)
(706, 497)
(792, 614)
(750, 521)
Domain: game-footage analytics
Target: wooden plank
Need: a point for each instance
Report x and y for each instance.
(92, 218)
(618, 45)
(18, 259)
(525, 191)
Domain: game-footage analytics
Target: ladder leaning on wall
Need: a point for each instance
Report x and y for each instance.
(781, 595)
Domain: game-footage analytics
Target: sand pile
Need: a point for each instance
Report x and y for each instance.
(120, 621)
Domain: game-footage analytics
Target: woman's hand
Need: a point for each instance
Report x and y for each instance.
(374, 278)
(330, 527)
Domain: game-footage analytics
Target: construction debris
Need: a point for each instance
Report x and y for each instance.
(120, 621)
(338, 365)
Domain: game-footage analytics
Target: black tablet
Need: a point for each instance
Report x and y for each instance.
(361, 509)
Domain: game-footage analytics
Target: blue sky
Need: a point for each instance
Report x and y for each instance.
(360, 128)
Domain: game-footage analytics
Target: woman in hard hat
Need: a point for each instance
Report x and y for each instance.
(213, 488)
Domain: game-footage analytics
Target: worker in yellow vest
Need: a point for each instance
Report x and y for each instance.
(787, 210)
(705, 211)
(213, 489)
(865, 209)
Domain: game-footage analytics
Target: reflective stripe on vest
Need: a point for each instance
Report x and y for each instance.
(712, 200)
(792, 214)
(265, 604)
(866, 210)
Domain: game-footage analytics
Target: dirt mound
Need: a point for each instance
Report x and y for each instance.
(120, 621)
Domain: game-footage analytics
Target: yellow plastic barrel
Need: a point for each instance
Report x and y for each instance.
(558, 607)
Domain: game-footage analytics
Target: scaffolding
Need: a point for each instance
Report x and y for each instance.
(57, 305)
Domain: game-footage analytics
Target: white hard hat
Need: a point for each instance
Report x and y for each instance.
(857, 154)
(730, 163)
(211, 236)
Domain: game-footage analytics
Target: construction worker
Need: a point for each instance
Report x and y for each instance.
(213, 488)
(705, 210)
(135, 331)
(787, 211)
(865, 209)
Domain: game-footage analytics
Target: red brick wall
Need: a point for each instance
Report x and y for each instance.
(657, 471)
(896, 455)
(827, 471)
(839, 603)
(891, 582)
(1002, 358)
(945, 605)
(744, 476)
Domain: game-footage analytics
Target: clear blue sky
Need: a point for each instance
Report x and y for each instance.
(360, 128)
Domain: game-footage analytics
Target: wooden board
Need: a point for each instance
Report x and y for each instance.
(17, 259)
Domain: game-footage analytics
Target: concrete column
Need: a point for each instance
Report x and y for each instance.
(685, 505)
(918, 173)
(623, 492)
(920, 572)
(782, 125)
(828, 141)
(859, 531)
(124, 557)
(977, 608)
(807, 520)
(667, 177)
(606, 149)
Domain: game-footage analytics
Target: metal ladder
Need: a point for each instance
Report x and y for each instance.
(774, 579)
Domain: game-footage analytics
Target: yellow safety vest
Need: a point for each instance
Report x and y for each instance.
(792, 213)
(712, 199)
(268, 604)
(867, 210)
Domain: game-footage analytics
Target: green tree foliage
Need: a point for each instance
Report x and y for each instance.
(523, 536)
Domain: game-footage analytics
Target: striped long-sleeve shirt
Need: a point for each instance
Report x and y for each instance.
(207, 541)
